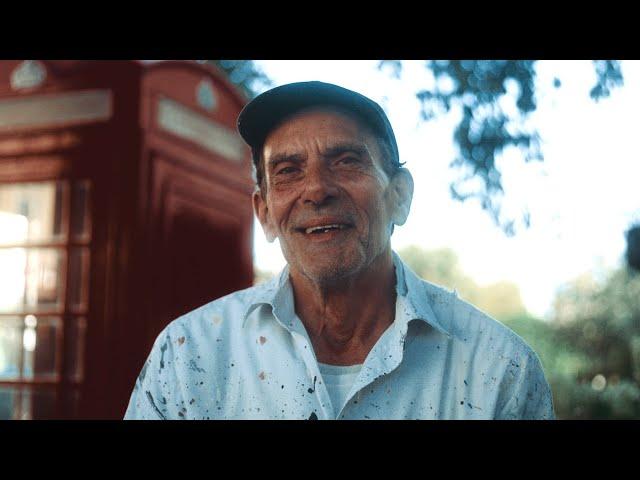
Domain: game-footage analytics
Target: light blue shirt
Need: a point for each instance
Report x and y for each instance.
(247, 356)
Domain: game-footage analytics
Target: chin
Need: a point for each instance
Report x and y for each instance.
(328, 271)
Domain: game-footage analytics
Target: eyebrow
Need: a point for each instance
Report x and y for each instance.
(345, 147)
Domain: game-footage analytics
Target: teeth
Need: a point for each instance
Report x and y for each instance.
(323, 227)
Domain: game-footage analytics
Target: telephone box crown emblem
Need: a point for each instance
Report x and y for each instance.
(29, 74)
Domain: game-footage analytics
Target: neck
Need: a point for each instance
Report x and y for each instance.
(345, 319)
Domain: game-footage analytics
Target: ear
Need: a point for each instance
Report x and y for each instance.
(262, 212)
(401, 190)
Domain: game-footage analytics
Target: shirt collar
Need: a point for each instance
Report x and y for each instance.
(412, 295)
(278, 294)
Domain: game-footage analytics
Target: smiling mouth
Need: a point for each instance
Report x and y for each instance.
(321, 230)
(325, 228)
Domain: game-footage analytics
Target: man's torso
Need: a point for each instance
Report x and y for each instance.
(217, 362)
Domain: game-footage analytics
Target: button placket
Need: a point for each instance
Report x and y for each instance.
(380, 362)
(312, 371)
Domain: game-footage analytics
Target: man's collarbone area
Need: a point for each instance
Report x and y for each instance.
(349, 355)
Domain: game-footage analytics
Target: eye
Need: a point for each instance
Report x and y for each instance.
(286, 170)
(349, 160)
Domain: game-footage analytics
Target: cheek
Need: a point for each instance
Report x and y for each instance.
(373, 213)
(280, 210)
(380, 217)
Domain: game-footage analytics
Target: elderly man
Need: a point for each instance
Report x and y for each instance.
(347, 330)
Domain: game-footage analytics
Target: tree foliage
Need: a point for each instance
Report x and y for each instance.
(245, 74)
(591, 350)
(486, 129)
(478, 88)
(501, 300)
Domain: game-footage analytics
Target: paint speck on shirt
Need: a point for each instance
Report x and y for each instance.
(163, 349)
(195, 368)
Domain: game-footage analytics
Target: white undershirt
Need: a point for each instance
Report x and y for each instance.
(339, 380)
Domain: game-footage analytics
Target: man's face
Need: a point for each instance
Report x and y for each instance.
(322, 168)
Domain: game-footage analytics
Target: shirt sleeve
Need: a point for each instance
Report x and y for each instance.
(156, 388)
(528, 396)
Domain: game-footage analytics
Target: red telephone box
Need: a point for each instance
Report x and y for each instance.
(125, 201)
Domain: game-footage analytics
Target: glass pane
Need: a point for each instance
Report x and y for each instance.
(46, 339)
(31, 279)
(11, 349)
(78, 278)
(31, 212)
(75, 344)
(28, 347)
(26, 403)
(11, 404)
(80, 218)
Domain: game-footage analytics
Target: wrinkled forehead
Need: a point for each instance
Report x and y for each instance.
(327, 124)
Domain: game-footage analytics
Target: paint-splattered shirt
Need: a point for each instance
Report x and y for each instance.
(247, 356)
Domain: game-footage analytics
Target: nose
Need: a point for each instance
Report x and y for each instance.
(319, 187)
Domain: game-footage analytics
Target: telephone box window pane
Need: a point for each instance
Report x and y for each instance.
(28, 347)
(78, 278)
(7, 401)
(31, 212)
(45, 347)
(11, 347)
(75, 344)
(80, 217)
(31, 279)
(27, 403)
(14, 404)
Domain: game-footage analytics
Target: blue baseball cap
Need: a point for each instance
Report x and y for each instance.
(265, 112)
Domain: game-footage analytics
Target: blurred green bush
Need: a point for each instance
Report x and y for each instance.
(589, 348)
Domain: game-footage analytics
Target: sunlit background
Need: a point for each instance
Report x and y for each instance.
(545, 252)
(562, 283)
(580, 198)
